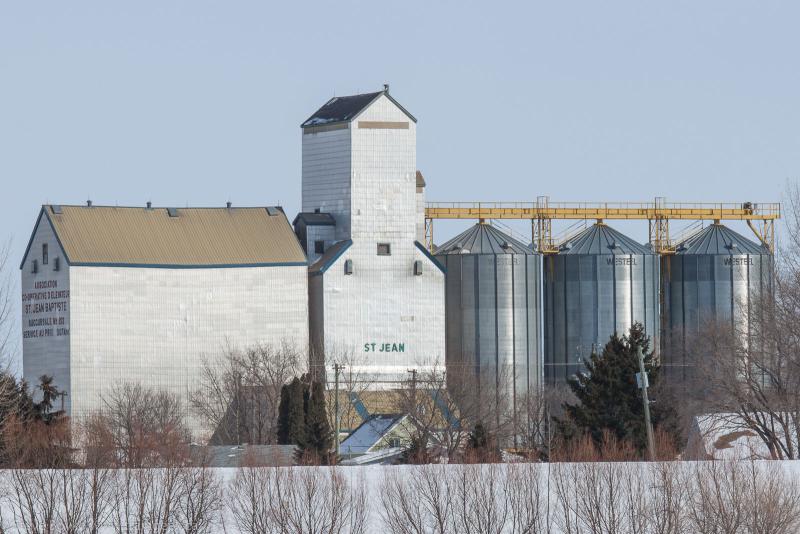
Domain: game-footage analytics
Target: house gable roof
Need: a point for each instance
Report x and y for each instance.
(370, 432)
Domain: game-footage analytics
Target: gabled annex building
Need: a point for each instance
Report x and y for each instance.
(144, 294)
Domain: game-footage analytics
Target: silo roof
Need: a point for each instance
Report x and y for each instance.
(483, 238)
(602, 239)
(719, 240)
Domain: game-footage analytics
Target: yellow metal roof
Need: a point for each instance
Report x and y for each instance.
(195, 237)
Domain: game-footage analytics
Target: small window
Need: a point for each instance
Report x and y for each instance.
(348, 267)
(394, 442)
(384, 249)
(35, 266)
(417, 268)
(44, 254)
(56, 263)
(319, 247)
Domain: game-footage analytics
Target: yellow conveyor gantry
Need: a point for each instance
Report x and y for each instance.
(760, 217)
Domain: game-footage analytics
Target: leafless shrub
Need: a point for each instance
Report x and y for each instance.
(133, 489)
(318, 501)
(418, 503)
(527, 498)
(84, 500)
(250, 500)
(743, 496)
(200, 500)
(240, 392)
(35, 500)
(145, 425)
(8, 294)
(668, 493)
(302, 501)
(481, 500)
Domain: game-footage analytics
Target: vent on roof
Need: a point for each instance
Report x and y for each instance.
(173, 212)
(273, 210)
(149, 205)
(89, 203)
(228, 204)
(55, 208)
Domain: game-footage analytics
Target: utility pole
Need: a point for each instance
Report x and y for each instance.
(336, 370)
(643, 384)
(413, 390)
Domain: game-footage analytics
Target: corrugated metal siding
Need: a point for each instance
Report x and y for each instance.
(197, 237)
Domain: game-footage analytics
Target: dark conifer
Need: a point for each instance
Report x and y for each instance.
(318, 431)
(609, 399)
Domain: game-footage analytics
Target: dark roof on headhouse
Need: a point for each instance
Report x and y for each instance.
(313, 218)
(346, 108)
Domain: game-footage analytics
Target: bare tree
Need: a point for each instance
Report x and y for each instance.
(418, 502)
(8, 296)
(481, 499)
(35, 500)
(668, 493)
(146, 426)
(83, 500)
(201, 502)
(297, 500)
(250, 500)
(527, 498)
(239, 393)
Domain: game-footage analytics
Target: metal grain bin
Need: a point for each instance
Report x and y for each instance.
(493, 310)
(600, 282)
(713, 276)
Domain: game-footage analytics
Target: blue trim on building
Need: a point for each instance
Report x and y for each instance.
(430, 257)
(330, 261)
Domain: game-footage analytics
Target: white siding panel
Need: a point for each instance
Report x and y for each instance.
(46, 314)
(156, 326)
(326, 176)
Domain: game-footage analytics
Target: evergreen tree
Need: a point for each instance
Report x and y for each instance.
(481, 444)
(283, 415)
(296, 415)
(319, 436)
(610, 400)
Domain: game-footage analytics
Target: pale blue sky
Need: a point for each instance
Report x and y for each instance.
(200, 102)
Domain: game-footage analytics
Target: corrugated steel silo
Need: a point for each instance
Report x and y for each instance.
(713, 276)
(493, 309)
(600, 282)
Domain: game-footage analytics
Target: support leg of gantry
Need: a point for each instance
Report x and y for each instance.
(429, 235)
(765, 231)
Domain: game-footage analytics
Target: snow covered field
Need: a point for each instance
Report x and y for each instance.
(562, 498)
